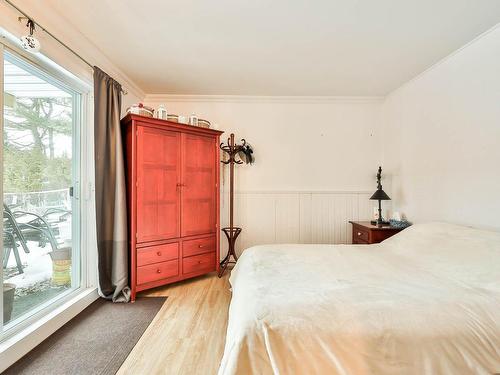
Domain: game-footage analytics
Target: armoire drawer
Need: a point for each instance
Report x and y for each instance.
(199, 263)
(158, 253)
(157, 271)
(198, 246)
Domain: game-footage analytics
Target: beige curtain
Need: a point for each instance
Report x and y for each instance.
(111, 205)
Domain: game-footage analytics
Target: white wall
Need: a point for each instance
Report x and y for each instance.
(316, 160)
(442, 138)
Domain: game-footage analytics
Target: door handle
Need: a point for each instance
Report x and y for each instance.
(74, 191)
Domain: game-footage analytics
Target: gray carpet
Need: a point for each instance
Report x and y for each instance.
(96, 341)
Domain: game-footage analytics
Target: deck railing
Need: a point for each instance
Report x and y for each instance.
(39, 201)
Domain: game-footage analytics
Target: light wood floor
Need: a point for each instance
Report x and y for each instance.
(187, 335)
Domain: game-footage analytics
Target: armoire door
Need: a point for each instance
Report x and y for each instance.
(158, 179)
(198, 195)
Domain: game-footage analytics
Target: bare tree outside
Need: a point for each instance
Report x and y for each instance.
(31, 127)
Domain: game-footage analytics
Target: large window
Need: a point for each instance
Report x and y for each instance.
(41, 260)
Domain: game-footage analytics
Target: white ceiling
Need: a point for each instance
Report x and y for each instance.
(277, 47)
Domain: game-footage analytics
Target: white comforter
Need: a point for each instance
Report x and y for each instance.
(426, 301)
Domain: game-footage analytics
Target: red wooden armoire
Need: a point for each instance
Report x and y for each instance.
(173, 201)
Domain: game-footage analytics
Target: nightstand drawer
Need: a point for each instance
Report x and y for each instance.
(359, 234)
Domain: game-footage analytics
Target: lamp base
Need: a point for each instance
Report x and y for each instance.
(379, 222)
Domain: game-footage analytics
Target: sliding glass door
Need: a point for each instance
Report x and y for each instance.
(41, 253)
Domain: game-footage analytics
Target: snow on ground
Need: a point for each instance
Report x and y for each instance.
(37, 264)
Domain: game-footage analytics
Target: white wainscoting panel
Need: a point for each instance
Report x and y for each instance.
(269, 217)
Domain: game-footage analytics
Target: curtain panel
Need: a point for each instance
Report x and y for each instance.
(110, 190)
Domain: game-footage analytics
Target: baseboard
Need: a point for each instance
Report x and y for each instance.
(21, 343)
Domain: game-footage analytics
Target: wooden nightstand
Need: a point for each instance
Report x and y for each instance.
(365, 233)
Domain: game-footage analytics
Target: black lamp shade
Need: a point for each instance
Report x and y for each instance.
(380, 195)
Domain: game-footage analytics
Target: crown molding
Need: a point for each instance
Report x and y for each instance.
(155, 98)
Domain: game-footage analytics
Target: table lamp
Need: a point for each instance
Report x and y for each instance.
(380, 196)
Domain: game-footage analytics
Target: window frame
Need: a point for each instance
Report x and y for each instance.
(83, 201)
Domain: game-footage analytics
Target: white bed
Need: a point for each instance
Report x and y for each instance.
(426, 301)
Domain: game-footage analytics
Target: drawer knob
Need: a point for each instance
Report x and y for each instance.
(200, 262)
(200, 246)
(158, 253)
(158, 271)
(359, 233)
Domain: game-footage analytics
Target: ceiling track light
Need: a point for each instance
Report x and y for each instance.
(29, 42)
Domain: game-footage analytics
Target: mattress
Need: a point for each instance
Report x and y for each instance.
(425, 301)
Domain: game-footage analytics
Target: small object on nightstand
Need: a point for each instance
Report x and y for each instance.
(363, 232)
(396, 216)
(399, 223)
